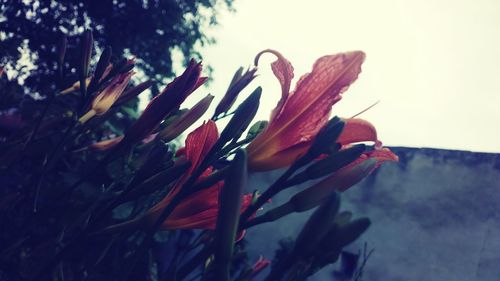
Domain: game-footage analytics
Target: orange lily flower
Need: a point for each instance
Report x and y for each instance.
(300, 114)
(199, 210)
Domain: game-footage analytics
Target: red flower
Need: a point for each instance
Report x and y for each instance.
(300, 114)
(200, 209)
(359, 130)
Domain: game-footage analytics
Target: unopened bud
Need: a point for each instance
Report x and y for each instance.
(238, 83)
(184, 121)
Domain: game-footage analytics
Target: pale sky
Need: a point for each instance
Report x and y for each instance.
(434, 65)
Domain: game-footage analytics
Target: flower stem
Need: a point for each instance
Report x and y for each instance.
(274, 189)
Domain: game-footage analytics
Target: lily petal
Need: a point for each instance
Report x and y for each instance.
(357, 130)
(299, 116)
(283, 70)
(200, 210)
(280, 159)
(309, 106)
(199, 143)
(380, 155)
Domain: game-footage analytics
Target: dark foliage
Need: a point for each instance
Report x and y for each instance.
(149, 30)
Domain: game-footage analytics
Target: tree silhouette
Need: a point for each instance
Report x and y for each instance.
(147, 29)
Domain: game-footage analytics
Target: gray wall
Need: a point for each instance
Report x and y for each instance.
(435, 216)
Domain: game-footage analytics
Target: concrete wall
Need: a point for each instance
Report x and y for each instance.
(435, 216)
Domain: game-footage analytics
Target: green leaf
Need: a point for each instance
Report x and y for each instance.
(228, 216)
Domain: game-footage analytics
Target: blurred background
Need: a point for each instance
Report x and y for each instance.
(432, 65)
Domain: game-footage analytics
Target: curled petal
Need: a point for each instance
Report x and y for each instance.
(283, 70)
(357, 130)
(315, 93)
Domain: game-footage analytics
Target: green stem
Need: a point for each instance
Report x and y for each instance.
(274, 189)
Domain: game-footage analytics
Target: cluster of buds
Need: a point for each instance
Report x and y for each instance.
(203, 185)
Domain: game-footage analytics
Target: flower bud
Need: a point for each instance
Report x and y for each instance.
(103, 101)
(181, 123)
(326, 137)
(164, 103)
(242, 117)
(86, 49)
(133, 92)
(100, 69)
(238, 83)
(334, 162)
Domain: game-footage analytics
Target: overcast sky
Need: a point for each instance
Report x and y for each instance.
(434, 65)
